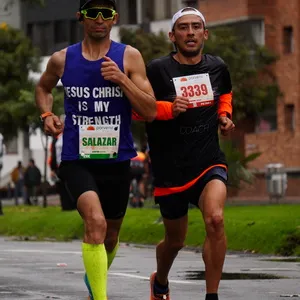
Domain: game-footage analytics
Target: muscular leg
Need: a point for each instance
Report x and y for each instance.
(94, 254)
(211, 204)
(112, 239)
(167, 250)
(114, 200)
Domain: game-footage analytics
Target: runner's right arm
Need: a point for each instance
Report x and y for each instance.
(43, 92)
(169, 108)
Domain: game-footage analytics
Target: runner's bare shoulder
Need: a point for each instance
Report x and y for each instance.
(132, 58)
(132, 53)
(56, 63)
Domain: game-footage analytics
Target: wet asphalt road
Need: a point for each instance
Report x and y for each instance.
(46, 270)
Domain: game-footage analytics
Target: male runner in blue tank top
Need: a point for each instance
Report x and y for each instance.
(103, 81)
(198, 90)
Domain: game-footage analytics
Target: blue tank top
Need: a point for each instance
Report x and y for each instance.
(92, 100)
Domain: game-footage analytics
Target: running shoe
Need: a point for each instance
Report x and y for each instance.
(157, 296)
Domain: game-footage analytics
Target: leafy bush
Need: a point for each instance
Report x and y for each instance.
(237, 164)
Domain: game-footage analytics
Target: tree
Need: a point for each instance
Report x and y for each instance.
(150, 45)
(17, 102)
(237, 164)
(254, 85)
(17, 58)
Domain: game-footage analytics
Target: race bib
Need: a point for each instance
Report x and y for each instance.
(99, 141)
(195, 87)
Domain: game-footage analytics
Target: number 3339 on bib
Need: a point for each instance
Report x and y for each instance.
(197, 88)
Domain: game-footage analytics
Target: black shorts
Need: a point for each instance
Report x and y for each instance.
(175, 206)
(110, 181)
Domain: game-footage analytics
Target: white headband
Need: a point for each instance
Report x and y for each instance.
(187, 11)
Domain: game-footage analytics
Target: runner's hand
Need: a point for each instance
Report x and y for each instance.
(179, 105)
(53, 126)
(110, 71)
(226, 125)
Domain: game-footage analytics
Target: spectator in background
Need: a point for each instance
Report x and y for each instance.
(32, 180)
(137, 172)
(17, 177)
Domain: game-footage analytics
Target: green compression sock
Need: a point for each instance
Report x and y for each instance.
(95, 262)
(110, 258)
(111, 255)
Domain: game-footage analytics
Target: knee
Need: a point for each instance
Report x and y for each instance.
(95, 227)
(214, 223)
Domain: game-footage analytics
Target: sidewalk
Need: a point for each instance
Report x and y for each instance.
(52, 200)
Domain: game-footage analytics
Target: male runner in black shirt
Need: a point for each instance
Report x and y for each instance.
(187, 162)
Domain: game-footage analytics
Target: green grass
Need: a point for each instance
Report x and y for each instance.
(263, 229)
(41, 223)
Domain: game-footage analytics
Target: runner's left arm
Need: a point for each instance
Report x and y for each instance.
(225, 101)
(133, 82)
(225, 104)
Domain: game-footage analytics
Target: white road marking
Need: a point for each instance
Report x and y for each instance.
(147, 278)
(41, 251)
(127, 275)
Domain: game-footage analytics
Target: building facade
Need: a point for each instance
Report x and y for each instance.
(10, 12)
(276, 135)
